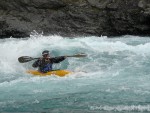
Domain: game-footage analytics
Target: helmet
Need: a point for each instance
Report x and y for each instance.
(45, 52)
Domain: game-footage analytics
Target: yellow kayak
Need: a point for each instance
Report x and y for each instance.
(60, 73)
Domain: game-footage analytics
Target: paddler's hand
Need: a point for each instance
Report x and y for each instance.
(40, 58)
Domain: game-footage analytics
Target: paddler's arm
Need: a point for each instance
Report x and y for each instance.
(36, 64)
(57, 59)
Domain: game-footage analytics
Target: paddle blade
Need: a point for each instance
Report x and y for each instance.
(24, 59)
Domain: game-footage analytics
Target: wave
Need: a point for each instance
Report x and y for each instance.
(123, 108)
(115, 70)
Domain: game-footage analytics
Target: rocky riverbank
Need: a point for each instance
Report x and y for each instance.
(18, 18)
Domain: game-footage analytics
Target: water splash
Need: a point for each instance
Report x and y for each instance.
(113, 77)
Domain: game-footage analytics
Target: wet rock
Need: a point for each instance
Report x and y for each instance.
(18, 18)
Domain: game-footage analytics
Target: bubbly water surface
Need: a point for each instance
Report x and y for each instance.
(114, 77)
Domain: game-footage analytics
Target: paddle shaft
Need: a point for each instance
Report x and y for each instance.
(65, 56)
(24, 59)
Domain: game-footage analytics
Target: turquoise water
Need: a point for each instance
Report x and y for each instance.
(113, 78)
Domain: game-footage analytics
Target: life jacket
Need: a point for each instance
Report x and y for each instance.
(45, 67)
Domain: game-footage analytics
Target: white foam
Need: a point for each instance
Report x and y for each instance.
(119, 108)
(96, 48)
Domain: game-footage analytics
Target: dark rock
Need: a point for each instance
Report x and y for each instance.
(74, 17)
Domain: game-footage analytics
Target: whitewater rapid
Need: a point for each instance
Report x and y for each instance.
(114, 77)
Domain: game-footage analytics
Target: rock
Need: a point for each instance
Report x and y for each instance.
(142, 4)
(74, 17)
(99, 3)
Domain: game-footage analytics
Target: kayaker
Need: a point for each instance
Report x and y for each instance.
(45, 63)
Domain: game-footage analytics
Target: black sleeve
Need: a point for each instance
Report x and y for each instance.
(57, 59)
(36, 64)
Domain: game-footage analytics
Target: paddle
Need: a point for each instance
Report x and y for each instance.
(25, 59)
(78, 55)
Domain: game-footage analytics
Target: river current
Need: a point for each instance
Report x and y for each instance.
(113, 78)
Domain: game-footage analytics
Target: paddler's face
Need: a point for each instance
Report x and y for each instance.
(46, 56)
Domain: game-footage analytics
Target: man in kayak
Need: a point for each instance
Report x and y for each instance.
(45, 63)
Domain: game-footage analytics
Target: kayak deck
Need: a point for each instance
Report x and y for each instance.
(60, 73)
